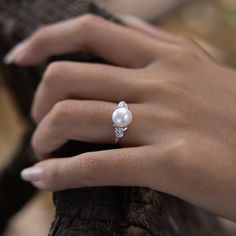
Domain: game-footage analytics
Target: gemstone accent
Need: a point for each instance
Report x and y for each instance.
(119, 131)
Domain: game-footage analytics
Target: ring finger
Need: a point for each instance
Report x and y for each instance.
(82, 120)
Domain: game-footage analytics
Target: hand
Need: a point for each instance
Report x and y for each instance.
(182, 140)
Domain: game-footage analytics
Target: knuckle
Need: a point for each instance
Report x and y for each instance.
(60, 113)
(54, 72)
(87, 21)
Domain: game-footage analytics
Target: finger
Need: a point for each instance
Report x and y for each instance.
(115, 43)
(117, 167)
(70, 80)
(88, 121)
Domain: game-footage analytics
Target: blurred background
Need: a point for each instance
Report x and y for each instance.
(212, 23)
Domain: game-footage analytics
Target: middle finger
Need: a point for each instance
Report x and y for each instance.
(70, 80)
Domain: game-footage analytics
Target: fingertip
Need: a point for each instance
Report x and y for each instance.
(37, 175)
(34, 173)
(22, 55)
(55, 175)
(15, 55)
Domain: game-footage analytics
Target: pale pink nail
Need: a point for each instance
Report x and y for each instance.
(32, 174)
(15, 52)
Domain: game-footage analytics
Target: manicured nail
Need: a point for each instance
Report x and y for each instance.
(15, 52)
(32, 174)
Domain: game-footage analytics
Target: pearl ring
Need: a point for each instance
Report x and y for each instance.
(122, 118)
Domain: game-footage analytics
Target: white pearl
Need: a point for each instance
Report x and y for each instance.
(122, 117)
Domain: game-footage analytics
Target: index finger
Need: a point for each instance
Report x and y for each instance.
(112, 42)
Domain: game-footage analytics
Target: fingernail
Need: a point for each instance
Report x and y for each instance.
(15, 52)
(32, 174)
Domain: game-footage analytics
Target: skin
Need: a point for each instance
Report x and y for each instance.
(182, 140)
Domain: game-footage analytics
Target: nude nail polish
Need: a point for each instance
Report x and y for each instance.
(32, 174)
(15, 52)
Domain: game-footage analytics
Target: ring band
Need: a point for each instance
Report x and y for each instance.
(122, 118)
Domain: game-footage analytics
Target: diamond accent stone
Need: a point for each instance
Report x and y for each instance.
(119, 132)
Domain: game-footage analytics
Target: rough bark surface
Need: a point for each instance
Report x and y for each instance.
(90, 211)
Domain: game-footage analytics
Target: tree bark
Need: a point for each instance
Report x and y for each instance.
(101, 210)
